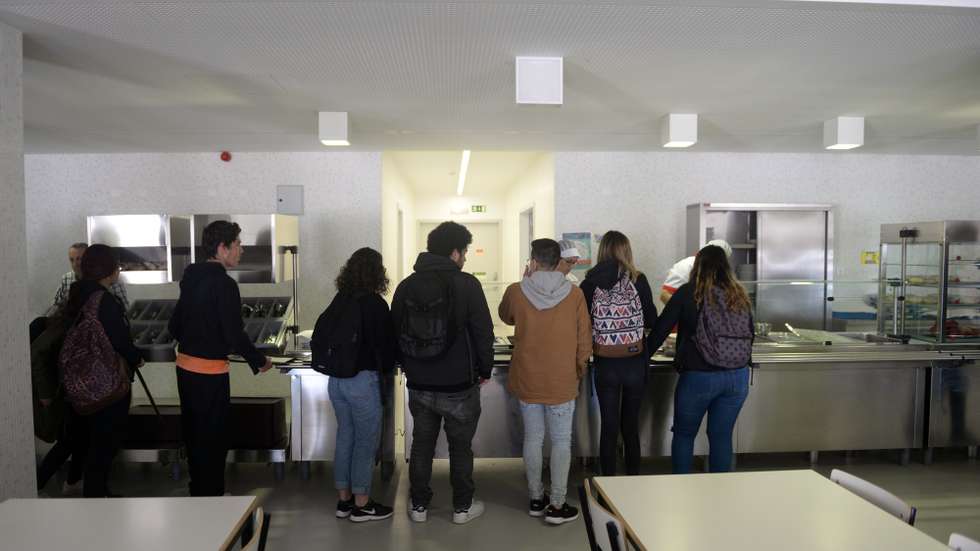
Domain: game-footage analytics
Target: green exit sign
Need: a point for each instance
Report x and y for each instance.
(478, 208)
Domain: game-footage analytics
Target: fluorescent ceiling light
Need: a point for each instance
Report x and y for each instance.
(464, 165)
(332, 126)
(679, 130)
(843, 133)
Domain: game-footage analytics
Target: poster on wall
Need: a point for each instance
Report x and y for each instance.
(583, 242)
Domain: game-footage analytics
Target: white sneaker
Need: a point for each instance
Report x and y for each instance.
(71, 490)
(462, 516)
(418, 513)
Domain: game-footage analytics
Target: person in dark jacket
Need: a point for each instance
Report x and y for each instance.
(445, 388)
(106, 427)
(702, 387)
(620, 378)
(207, 324)
(357, 401)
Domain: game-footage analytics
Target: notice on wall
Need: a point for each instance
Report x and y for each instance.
(869, 257)
(583, 242)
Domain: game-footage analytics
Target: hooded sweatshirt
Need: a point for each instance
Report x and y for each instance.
(470, 356)
(207, 321)
(552, 338)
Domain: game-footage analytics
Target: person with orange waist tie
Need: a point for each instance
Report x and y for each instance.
(207, 325)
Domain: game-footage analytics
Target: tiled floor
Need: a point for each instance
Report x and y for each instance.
(947, 494)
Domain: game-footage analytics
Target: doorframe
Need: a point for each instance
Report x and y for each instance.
(500, 236)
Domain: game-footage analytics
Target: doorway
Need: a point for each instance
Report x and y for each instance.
(526, 234)
(483, 259)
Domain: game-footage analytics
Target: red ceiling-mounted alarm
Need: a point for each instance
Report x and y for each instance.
(225, 156)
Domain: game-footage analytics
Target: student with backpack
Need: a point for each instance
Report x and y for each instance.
(552, 344)
(714, 352)
(621, 307)
(445, 338)
(354, 344)
(97, 363)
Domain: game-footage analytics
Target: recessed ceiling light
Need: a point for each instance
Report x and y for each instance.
(843, 133)
(679, 130)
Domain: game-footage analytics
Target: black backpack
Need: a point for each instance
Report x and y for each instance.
(337, 337)
(427, 328)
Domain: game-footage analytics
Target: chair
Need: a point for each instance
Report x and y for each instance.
(959, 542)
(260, 531)
(604, 530)
(879, 496)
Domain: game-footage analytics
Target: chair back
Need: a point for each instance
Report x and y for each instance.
(959, 542)
(884, 499)
(607, 532)
(258, 531)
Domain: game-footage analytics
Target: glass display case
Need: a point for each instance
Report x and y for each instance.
(929, 281)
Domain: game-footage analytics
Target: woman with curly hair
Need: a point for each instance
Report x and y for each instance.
(355, 389)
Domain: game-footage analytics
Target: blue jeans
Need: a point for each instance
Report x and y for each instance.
(558, 419)
(720, 394)
(357, 404)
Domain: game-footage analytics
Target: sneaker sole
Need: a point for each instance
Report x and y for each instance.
(416, 517)
(557, 521)
(536, 514)
(341, 514)
(464, 521)
(370, 518)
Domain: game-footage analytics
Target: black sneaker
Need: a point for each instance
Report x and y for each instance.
(537, 507)
(567, 513)
(344, 508)
(371, 511)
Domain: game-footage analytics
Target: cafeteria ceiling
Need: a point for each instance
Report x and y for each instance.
(125, 76)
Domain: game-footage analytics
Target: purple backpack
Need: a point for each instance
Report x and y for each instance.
(724, 337)
(93, 374)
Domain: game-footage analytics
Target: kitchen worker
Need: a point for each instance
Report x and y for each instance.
(680, 273)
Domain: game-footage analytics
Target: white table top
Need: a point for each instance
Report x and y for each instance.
(768, 510)
(146, 524)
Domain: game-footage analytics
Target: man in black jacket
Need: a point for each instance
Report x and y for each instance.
(444, 387)
(207, 324)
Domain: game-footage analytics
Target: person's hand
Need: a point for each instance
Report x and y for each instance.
(484, 381)
(527, 270)
(267, 366)
(45, 402)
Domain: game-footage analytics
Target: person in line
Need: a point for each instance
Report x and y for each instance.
(357, 328)
(445, 338)
(714, 348)
(207, 324)
(75, 252)
(621, 307)
(680, 272)
(569, 258)
(553, 342)
(105, 427)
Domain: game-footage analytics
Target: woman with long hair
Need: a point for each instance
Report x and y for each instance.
(621, 306)
(714, 342)
(355, 385)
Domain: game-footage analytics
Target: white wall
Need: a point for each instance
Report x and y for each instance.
(396, 192)
(645, 195)
(534, 188)
(17, 474)
(342, 199)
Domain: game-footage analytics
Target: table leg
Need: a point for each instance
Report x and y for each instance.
(814, 458)
(906, 456)
(927, 456)
(304, 470)
(971, 452)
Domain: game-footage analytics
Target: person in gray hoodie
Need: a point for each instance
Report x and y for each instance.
(552, 344)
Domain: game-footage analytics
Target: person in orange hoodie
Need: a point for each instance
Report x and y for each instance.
(552, 345)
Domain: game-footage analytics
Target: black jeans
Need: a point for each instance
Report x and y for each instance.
(620, 385)
(106, 429)
(461, 413)
(204, 404)
(72, 442)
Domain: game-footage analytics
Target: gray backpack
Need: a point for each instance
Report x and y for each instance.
(724, 337)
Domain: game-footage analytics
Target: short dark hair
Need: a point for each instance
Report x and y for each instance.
(216, 233)
(364, 272)
(99, 262)
(546, 252)
(80, 246)
(448, 237)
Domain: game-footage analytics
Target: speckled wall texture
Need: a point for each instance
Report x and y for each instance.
(645, 195)
(17, 473)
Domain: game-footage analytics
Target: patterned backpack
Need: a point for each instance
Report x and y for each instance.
(724, 337)
(617, 321)
(93, 374)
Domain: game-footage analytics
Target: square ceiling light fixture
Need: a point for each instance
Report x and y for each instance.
(843, 133)
(540, 80)
(333, 128)
(679, 130)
